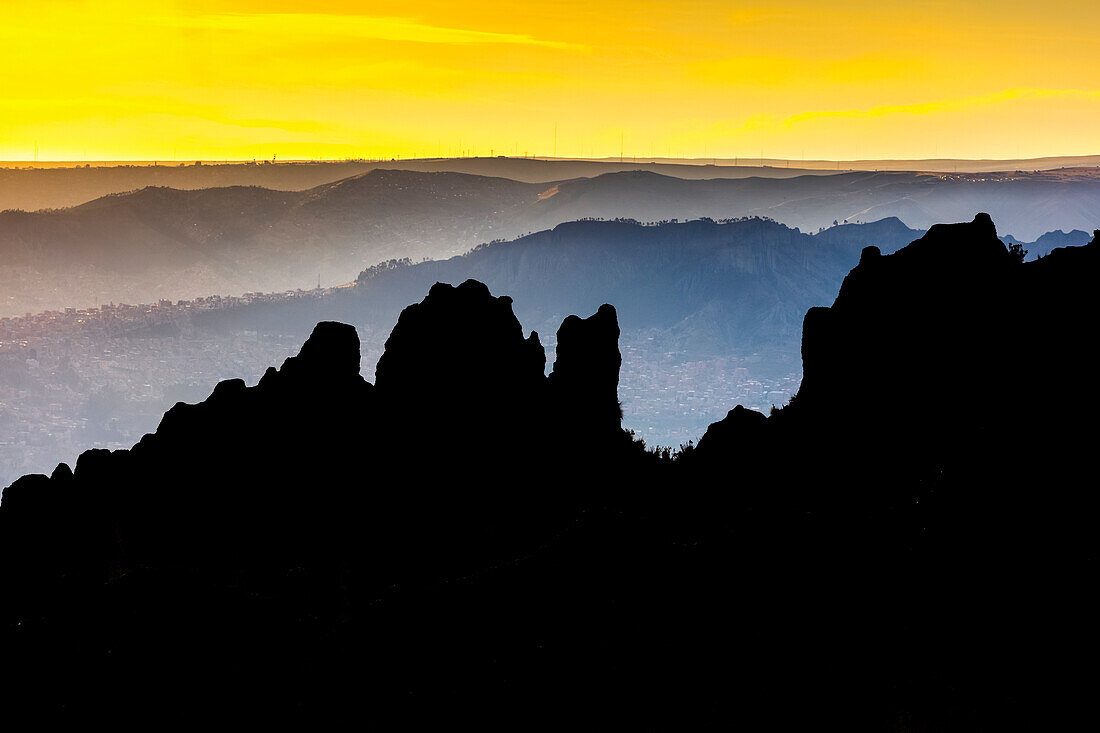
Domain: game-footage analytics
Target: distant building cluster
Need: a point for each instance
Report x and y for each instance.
(112, 319)
(102, 377)
(669, 400)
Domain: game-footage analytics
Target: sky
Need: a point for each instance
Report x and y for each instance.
(247, 79)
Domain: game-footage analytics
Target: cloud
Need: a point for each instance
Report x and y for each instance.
(299, 25)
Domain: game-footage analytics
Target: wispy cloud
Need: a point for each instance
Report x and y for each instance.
(354, 26)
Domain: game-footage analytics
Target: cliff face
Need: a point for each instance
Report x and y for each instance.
(317, 547)
(968, 534)
(953, 317)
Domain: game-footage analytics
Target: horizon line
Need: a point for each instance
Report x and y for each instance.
(742, 161)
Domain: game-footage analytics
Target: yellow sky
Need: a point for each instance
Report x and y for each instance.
(157, 79)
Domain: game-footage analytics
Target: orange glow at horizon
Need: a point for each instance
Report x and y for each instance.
(245, 79)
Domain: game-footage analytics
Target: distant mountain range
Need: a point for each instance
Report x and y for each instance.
(33, 186)
(30, 187)
(165, 243)
(700, 289)
(1050, 241)
(724, 298)
(757, 277)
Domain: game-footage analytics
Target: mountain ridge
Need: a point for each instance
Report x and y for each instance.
(180, 244)
(37, 187)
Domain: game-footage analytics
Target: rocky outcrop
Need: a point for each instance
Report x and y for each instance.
(906, 328)
(330, 355)
(740, 430)
(953, 318)
(459, 359)
(585, 381)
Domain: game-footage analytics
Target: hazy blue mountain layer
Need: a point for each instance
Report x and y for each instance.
(165, 243)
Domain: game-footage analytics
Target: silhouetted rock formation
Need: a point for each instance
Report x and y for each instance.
(460, 356)
(971, 548)
(313, 549)
(739, 428)
(584, 384)
(314, 491)
(897, 317)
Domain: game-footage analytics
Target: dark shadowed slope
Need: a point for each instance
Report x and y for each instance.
(311, 549)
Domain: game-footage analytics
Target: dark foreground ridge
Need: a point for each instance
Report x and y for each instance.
(311, 549)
